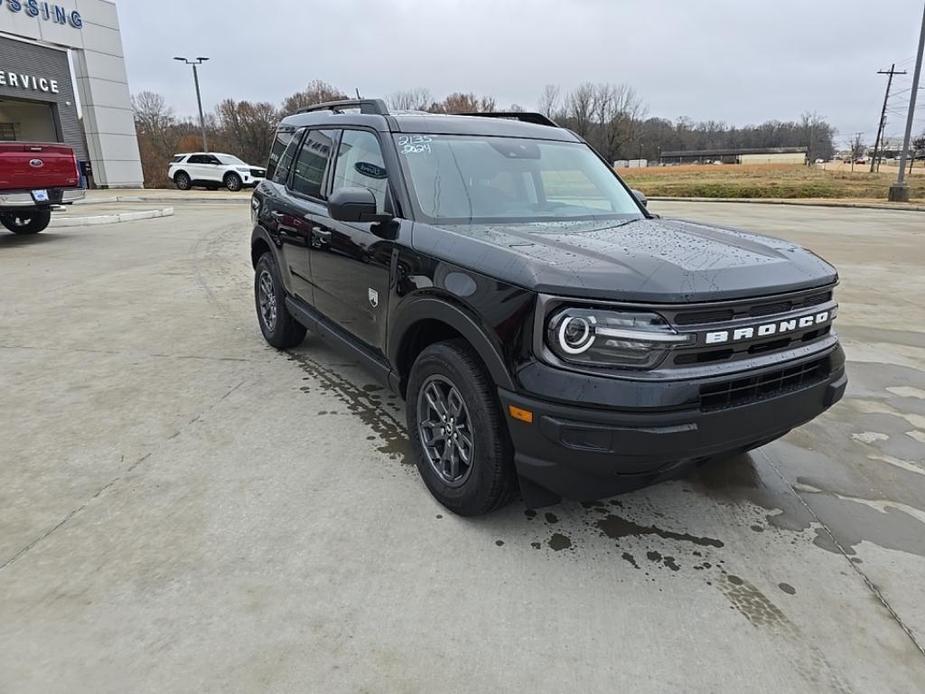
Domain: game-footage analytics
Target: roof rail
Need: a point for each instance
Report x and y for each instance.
(373, 106)
(525, 116)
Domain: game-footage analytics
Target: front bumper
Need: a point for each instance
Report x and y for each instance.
(589, 453)
(56, 196)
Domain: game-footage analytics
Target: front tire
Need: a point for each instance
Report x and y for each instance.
(182, 181)
(30, 222)
(278, 326)
(458, 436)
(233, 182)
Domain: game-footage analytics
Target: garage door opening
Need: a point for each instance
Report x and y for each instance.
(29, 121)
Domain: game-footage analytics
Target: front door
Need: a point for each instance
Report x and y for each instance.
(350, 264)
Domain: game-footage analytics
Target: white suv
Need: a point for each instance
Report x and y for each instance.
(212, 170)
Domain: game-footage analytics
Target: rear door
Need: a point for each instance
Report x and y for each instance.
(27, 166)
(212, 168)
(306, 192)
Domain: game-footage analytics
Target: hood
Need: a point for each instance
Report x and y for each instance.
(653, 260)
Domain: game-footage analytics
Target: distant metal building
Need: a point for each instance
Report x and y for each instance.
(763, 155)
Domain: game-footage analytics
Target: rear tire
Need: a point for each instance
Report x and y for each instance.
(182, 181)
(484, 482)
(278, 326)
(233, 182)
(30, 222)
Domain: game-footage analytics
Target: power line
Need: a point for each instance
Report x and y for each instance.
(886, 97)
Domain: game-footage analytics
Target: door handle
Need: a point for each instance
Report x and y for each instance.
(321, 233)
(276, 215)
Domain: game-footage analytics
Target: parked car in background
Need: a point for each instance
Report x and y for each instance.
(36, 177)
(212, 170)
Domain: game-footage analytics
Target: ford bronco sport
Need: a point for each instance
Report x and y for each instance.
(547, 332)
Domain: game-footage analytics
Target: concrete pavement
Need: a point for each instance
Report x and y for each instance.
(186, 509)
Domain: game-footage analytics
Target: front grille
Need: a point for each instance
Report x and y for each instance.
(748, 349)
(750, 389)
(757, 308)
(728, 317)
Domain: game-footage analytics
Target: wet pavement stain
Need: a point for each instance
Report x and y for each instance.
(752, 603)
(552, 518)
(616, 527)
(629, 558)
(361, 403)
(787, 588)
(558, 542)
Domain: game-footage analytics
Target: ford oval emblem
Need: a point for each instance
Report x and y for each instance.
(36, 163)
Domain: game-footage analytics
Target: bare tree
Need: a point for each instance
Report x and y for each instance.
(317, 92)
(459, 102)
(857, 148)
(579, 106)
(158, 135)
(549, 100)
(247, 129)
(416, 99)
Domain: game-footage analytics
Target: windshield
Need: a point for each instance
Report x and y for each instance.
(229, 159)
(476, 179)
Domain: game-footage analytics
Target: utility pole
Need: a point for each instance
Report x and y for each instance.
(899, 191)
(892, 71)
(202, 121)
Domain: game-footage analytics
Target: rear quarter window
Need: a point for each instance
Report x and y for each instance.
(177, 158)
(283, 138)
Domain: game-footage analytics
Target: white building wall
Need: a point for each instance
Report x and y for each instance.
(101, 83)
(774, 158)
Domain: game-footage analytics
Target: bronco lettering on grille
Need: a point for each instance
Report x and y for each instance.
(718, 337)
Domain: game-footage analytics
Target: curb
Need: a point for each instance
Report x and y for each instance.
(797, 202)
(110, 218)
(164, 198)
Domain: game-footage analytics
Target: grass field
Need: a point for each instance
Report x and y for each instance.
(766, 181)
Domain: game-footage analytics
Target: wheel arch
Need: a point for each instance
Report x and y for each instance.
(260, 244)
(421, 322)
(178, 172)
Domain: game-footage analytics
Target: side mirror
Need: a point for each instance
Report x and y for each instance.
(643, 200)
(355, 205)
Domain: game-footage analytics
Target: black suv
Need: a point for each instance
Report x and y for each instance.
(548, 333)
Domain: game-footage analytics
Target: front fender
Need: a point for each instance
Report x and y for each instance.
(417, 308)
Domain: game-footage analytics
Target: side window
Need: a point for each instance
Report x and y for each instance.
(211, 160)
(283, 138)
(196, 159)
(280, 171)
(308, 174)
(360, 165)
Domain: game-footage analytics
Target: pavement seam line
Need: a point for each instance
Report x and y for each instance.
(870, 584)
(117, 352)
(73, 512)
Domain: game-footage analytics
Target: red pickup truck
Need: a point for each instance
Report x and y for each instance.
(35, 178)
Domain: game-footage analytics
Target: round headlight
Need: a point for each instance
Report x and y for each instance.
(611, 337)
(576, 334)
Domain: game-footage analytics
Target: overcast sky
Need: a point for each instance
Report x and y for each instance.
(740, 61)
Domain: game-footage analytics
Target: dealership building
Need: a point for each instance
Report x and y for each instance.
(62, 79)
